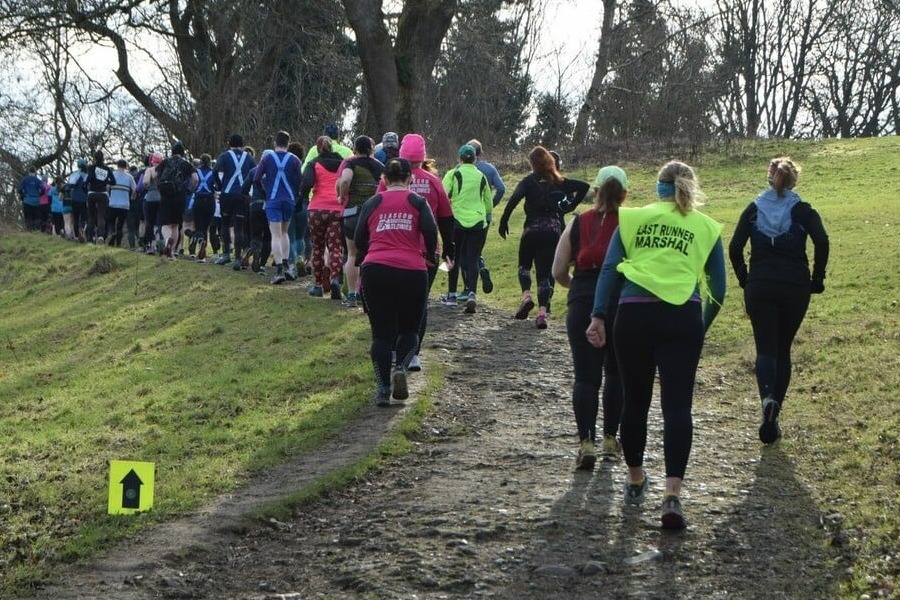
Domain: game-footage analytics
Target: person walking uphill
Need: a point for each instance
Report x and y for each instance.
(232, 171)
(177, 179)
(280, 170)
(319, 189)
(392, 227)
(584, 243)
(470, 200)
(99, 180)
(543, 190)
(777, 286)
(663, 251)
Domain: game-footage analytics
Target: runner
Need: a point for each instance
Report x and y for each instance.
(279, 172)
(393, 225)
(663, 250)
(232, 168)
(298, 229)
(499, 189)
(356, 184)
(76, 190)
(388, 148)
(429, 186)
(584, 243)
(777, 287)
(319, 189)
(543, 190)
(99, 179)
(56, 207)
(30, 189)
(150, 184)
(330, 131)
(204, 207)
(258, 225)
(177, 179)
(470, 200)
(120, 195)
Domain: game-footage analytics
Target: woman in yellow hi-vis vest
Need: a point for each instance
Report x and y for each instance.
(663, 251)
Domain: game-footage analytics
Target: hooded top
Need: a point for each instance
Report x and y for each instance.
(773, 212)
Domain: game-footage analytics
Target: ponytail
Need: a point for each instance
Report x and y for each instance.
(677, 180)
(783, 174)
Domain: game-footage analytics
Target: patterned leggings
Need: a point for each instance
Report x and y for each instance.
(325, 233)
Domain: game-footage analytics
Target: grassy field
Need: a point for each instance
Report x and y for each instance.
(106, 354)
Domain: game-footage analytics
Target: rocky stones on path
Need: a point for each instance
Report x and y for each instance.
(556, 571)
(644, 557)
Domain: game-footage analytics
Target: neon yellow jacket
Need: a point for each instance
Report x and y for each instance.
(665, 251)
(470, 195)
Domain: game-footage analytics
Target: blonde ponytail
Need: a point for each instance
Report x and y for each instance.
(688, 194)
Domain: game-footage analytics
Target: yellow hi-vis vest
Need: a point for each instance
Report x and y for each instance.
(665, 251)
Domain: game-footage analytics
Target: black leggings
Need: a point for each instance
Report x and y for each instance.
(432, 274)
(116, 218)
(204, 208)
(394, 300)
(651, 336)
(151, 221)
(235, 209)
(79, 215)
(469, 243)
(260, 234)
(776, 311)
(97, 203)
(590, 365)
(537, 247)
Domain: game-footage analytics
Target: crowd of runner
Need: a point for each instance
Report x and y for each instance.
(377, 220)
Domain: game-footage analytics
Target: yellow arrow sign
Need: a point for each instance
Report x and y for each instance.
(130, 487)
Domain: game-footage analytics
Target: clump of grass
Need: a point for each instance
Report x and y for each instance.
(104, 264)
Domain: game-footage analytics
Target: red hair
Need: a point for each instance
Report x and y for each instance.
(543, 165)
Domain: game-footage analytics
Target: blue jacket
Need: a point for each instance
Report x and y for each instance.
(30, 189)
(228, 179)
(279, 170)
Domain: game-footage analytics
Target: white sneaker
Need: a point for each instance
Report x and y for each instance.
(415, 365)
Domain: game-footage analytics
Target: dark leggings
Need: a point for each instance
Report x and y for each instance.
(469, 243)
(234, 215)
(537, 247)
(590, 365)
(135, 215)
(79, 215)
(97, 203)
(394, 300)
(651, 336)
(432, 275)
(204, 208)
(151, 221)
(776, 311)
(260, 234)
(116, 218)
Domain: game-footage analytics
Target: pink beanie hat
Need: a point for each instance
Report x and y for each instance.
(412, 148)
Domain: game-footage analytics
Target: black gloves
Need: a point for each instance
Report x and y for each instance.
(817, 286)
(503, 229)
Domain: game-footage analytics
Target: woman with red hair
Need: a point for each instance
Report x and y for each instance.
(543, 190)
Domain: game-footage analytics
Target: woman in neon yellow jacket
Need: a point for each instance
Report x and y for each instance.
(470, 199)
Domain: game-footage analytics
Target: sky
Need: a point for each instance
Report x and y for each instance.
(569, 43)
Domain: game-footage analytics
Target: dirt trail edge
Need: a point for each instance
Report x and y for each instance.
(488, 504)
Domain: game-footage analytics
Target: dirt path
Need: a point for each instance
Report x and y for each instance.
(488, 504)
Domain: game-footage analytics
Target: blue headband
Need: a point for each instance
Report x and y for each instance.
(665, 189)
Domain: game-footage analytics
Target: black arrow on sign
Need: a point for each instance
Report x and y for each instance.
(131, 490)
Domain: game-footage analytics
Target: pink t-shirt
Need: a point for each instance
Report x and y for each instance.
(430, 187)
(323, 195)
(395, 239)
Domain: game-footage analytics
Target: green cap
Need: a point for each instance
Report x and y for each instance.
(466, 150)
(611, 172)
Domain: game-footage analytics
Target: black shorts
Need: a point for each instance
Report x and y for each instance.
(232, 205)
(171, 210)
(348, 226)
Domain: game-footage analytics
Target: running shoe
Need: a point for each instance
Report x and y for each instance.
(634, 492)
(586, 456)
(540, 321)
(223, 260)
(487, 284)
(524, 308)
(415, 365)
(335, 287)
(672, 515)
(316, 290)
(769, 431)
(449, 300)
(350, 301)
(382, 398)
(611, 449)
(236, 264)
(464, 297)
(291, 273)
(170, 244)
(399, 389)
(470, 303)
(201, 251)
(279, 278)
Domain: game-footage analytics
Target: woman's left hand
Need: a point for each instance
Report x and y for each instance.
(596, 332)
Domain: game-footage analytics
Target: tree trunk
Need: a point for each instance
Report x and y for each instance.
(376, 53)
(601, 69)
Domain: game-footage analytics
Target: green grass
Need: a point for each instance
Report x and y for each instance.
(214, 375)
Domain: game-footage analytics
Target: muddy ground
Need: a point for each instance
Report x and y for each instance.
(488, 503)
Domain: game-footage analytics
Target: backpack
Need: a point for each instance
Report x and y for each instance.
(172, 180)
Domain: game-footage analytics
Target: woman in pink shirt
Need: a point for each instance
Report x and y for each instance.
(429, 186)
(392, 229)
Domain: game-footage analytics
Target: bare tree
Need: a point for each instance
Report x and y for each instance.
(601, 70)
